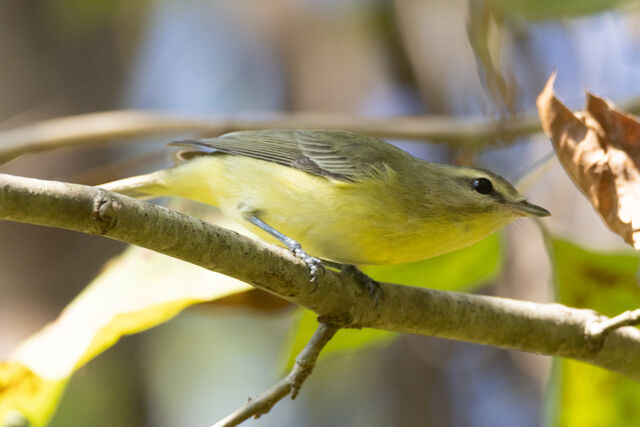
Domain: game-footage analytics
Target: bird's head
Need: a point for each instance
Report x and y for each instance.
(476, 199)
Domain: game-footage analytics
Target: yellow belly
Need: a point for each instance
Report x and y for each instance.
(348, 222)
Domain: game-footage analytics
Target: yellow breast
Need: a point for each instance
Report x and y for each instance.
(369, 221)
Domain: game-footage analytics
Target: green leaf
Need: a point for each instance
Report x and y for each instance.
(603, 281)
(594, 397)
(606, 282)
(462, 270)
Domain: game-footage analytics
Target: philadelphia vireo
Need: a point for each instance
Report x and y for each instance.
(341, 196)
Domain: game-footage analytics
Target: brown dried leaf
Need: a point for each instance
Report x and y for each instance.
(600, 150)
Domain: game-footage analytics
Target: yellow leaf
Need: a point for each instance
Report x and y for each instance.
(26, 396)
(136, 291)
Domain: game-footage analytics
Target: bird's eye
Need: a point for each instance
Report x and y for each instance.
(482, 185)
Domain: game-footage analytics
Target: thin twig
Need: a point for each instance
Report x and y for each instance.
(305, 362)
(550, 329)
(598, 329)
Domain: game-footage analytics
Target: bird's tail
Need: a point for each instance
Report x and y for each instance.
(141, 187)
(191, 180)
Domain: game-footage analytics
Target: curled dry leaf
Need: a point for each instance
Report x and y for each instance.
(600, 150)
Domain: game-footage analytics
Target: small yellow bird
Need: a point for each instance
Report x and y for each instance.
(343, 197)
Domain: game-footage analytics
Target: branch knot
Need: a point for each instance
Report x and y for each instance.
(105, 212)
(597, 329)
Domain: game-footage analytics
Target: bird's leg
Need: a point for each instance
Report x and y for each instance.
(314, 264)
(372, 287)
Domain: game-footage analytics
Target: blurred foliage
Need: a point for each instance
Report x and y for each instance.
(486, 36)
(136, 291)
(540, 10)
(490, 26)
(78, 18)
(462, 270)
(112, 381)
(608, 283)
(25, 396)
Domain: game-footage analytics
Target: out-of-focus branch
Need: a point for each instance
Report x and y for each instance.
(123, 126)
(550, 329)
(96, 128)
(305, 362)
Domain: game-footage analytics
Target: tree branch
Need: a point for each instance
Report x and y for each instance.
(598, 329)
(550, 329)
(106, 126)
(94, 128)
(305, 362)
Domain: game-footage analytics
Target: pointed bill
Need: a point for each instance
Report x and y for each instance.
(530, 209)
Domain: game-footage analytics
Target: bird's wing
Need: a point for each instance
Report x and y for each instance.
(334, 154)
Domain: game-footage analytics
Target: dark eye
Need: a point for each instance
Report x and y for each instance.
(482, 185)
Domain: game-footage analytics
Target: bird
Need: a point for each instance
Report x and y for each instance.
(335, 197)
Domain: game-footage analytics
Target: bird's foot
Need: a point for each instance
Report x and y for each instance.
(316, 268)
(372, 287)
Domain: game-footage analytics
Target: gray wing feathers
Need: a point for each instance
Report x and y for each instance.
(334, 154)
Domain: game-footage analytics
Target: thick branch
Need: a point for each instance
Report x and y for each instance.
(549, 329)
(305, 362)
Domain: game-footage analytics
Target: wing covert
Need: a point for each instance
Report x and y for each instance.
(333, 154)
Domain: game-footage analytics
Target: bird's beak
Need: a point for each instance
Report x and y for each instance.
(530, 209)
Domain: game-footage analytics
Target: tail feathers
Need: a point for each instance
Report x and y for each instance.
(139, 187)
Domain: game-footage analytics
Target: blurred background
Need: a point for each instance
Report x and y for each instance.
(469, 59)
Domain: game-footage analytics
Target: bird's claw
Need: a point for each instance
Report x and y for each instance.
(372, 287)
(316, 268)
